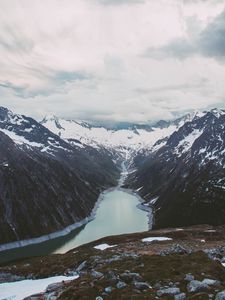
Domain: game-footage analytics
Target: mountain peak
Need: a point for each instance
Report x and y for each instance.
(4, 113)
(217, 112)
(194, 115)
(52, 119)
(7, 115)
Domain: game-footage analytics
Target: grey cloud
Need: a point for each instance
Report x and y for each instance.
(56, 80)
(13, 40)
(24, 91)
(64, 76)
(210, 42)
(179, 48)
(181, 87)
(18, 90)
(212, 39)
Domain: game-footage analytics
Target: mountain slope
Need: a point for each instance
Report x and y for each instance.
(46, 183)
(185, 179)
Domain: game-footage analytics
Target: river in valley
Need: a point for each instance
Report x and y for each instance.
(117, 213)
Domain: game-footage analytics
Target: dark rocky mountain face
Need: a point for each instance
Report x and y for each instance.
(185, 179)
(46, 183)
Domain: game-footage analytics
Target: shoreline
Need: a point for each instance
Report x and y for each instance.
(149, 209)
(67, 230)
(142, 206)
(56, 234)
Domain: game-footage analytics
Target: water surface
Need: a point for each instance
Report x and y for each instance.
(117, 214)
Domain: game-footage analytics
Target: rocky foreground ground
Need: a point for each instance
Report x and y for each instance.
(189, 265)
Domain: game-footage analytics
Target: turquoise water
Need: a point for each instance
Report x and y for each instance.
(117, 214)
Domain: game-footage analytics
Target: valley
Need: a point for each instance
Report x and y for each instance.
(80, 205)
(69, 164)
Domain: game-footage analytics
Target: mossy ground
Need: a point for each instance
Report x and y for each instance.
(153, 269)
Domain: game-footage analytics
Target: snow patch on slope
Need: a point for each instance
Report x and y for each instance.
(104, 246)
(21, 289)
(156, 239)
(186, 144)
(18, 139)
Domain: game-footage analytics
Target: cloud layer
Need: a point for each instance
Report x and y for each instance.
(112, 60)
(210, 42)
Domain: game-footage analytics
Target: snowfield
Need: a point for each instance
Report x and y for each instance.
(186, 144)
(156, 239)
(104, 246)
(21, 289)
(20, 140)
(100, 136)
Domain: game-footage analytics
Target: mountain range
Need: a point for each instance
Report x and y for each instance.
(52, 172)
(132, 137)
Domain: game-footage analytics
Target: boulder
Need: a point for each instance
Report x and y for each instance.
(141, 285)
(108, 289)
(220, 295)
(81, 266)
(197, 286)
(96, 274)
(172, 291)
(189, 277)
(121, 285)
(211, 282)
(181, 296)
(54, 287)
(110, 275)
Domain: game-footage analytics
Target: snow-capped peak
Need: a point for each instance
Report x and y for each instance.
(191, 117)
(217, 112)
(140, 138)
(26, 131)
(96, 137)
(50, 117)
(134, 138)
(8, 116)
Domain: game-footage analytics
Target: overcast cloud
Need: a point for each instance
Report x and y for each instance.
(112, 60)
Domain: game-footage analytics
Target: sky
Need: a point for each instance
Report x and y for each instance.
(112, 60)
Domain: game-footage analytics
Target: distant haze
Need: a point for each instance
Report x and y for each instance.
(112, 61)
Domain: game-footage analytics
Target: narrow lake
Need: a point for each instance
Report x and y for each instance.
(117, 214)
